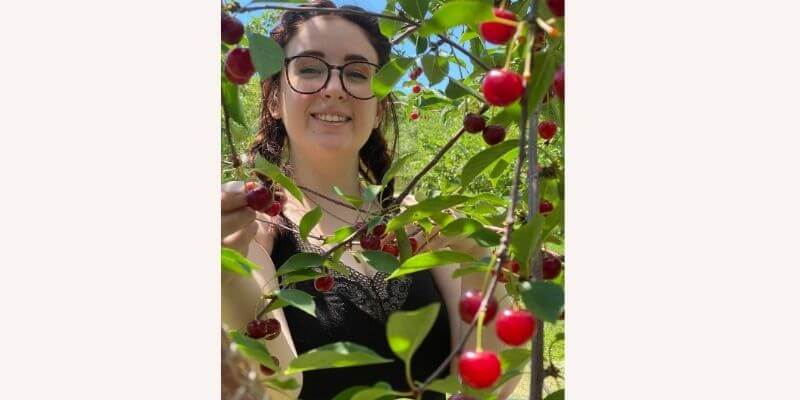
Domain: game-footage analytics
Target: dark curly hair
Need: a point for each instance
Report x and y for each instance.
(375, 156)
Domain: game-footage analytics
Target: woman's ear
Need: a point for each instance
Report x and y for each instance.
(273, 103)
(378, 116)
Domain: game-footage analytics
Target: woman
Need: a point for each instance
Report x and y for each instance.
(325, 133)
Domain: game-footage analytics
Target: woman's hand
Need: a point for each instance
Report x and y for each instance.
(239, 224)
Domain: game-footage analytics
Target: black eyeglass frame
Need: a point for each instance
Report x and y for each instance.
(328, 77)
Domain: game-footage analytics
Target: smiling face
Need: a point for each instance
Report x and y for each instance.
(330, 121)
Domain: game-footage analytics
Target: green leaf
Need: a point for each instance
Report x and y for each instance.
(387, 26)
(381, 261)
(406, 330)
(467, 270)
(456, 89)
(233, 261)
(231, 102)
(541, 76)
(299, 299)
(462, 226)
(252, 348)
(309, 221)
(486, 237)
(433, 98)
(525, 239)
(371, 192)
(509, 115)
(287, 384)
(276, 304)
(511, 359)
(435, 67)
(266, 53)
(479, 162)
(348, 393)
(335, 355)
(300, 261)
(300, 276)
(397, 166)
(415, 8)
(448, 385)
(340, 234)
(456, 13)
(543, 299)
(389, 75)
(430, 260)
(557, 395)
(353, 200)
(271, 170)
(421, 43)
(424, 209)
(373, 393)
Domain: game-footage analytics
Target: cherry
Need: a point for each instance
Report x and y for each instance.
(558, 82)
(469, 304)
(379, 230)
(274, 209)
(515, 327)
(547, 129)
(557, 7)
(257, 328)
(416, 73)
(414, 246)
(474, 123)
(370, 242)
(267, 370)
(502, 87)
(232, 29)
(479, 369)
(461, 396)
(239, 65)
(391, 249)
(513, 265)
(416, 89)
(494, 134)
(414, 115)
(551, 267)
(495, 32)
(545, 207)
(234, 78)
(324, 283)
(273, 328)
(259, 199)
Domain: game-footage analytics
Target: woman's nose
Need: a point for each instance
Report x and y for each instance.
(334, 86)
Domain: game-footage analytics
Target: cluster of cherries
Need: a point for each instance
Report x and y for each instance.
(372, 241)
(259, 198)
(267, 329)
(238, 65)
(416, 89)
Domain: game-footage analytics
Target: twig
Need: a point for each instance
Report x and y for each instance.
(332, 200)
(234, 158)
(466, 52)
(287, 228)
(405, 34)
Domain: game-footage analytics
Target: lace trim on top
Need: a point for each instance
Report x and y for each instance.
(375, 296)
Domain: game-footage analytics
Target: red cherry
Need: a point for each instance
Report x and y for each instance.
(469, 304)
(239, 64)
(259, 199)
(547, 129)
(370, 242)
(391, 249)
(414, 246)
(267, 370)
(235, 78)
(232, 29)
(257, 329)
(414, 115)
(494, 134)
(502, 87)
(558, 82)
(324, 283)
(479, 369)
(274, 209)
(416, 89)
(513, 265)
(416, 73)
(557, 7)
(551, 267)
(474, 123)
(273, 328)
(497, 33)
(379, 230)
(515, 327)
(545, 207)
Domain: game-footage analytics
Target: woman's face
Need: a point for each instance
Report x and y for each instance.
(337, 41)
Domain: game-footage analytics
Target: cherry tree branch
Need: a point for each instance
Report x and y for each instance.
(323, 10)
(466, 52)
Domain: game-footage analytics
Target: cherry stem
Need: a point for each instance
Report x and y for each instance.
(234, 158)
(411, 29)
(332, 200)
(288, 228)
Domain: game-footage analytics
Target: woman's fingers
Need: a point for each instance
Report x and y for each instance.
(236, 220)
(240, 239)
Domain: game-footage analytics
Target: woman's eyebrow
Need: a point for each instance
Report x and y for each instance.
(317, 53)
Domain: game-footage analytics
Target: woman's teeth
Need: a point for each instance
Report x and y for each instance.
(330, 117)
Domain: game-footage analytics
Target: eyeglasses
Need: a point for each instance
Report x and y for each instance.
(309, 74)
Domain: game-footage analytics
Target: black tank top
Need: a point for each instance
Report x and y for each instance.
(357, 310)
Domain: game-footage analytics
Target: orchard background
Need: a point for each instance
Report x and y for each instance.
(449, 87)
